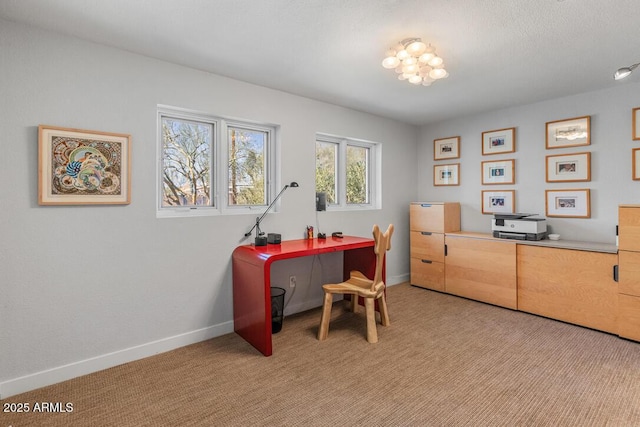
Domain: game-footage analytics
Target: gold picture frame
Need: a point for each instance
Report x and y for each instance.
(635, 120)
(569, 203)
(446, 148)
(568, 132)
(83, 167)
(446, 174)
(498, 172)
(499, 141)
(635, 163)
(572, 167)
(498, 201)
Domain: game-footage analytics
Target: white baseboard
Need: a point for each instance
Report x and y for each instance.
(396, 280)
(109, 360)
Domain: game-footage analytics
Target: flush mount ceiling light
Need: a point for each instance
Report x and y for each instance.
(415, 62)
(624, 71)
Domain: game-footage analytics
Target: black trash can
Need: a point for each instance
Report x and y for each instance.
(277, 309)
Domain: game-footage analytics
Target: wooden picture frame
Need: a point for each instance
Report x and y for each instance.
(572, 167)
(571, 203)
(635, 120)
(446, 174)
(446, 148)
(568, 132)
(500, 201)
(83, 167)
(635, 163)
(499, 141)
(498, 172)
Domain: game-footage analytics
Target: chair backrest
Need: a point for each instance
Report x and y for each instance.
(382, 245)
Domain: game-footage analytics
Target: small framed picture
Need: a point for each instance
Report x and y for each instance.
(569, 167)
(446, 174)
(568, 203)
(569, 132)
(635, 117)
(503, 201)
(498, 172)
(446, 148)
(83, 167)
(499, 141)
(635, 160)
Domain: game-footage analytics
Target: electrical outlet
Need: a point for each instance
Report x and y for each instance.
(292, 281)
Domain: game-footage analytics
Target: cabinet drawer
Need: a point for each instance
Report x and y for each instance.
(428, 275)
(629, 317)
(435, 217)
(629, 278)
(629, 228)
(427, 245)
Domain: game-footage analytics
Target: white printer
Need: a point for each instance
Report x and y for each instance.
(518, 226)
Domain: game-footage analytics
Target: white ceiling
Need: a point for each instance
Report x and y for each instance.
(499, 53)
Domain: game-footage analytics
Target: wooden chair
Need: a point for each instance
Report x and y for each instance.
(358, 285)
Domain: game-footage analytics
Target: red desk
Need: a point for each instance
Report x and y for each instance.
(252, 279)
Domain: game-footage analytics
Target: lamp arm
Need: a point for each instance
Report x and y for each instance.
(259, 219)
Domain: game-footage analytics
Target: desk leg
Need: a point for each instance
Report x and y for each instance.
(252, 305)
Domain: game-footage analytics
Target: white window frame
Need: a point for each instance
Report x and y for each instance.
(374, 172)
(220, 165)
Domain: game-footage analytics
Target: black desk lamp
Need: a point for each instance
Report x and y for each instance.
(261, 240)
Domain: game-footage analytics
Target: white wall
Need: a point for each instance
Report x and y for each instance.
(611, 144)
(86, 287)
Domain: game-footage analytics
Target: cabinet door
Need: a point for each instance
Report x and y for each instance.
(427, 246)
(568, 285)
(481, 269)
(629, 278)
(629, 317)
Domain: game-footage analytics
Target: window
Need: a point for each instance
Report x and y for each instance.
(210, 165)
(348, 172)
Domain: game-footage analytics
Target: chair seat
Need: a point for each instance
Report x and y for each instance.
(358, 285)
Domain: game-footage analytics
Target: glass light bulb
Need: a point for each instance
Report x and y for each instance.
(435, 61)
(437, 73)
(398, 69)
(390, 52)
(416, 80)
(416, 48)
(401, 77)
(410, 69)
(403, 54)
(426, 57)
(390, 62)
(427, 82)
(409, 61)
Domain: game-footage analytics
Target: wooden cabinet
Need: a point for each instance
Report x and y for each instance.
(569, 285)
(629, 272)
(482, 269)
(428, 223)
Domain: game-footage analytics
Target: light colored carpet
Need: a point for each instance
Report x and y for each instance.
(444, 361)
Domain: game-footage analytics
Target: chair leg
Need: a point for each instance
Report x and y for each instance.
(353, 304)
(384, 313)
(370, 309)
(323, 331)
